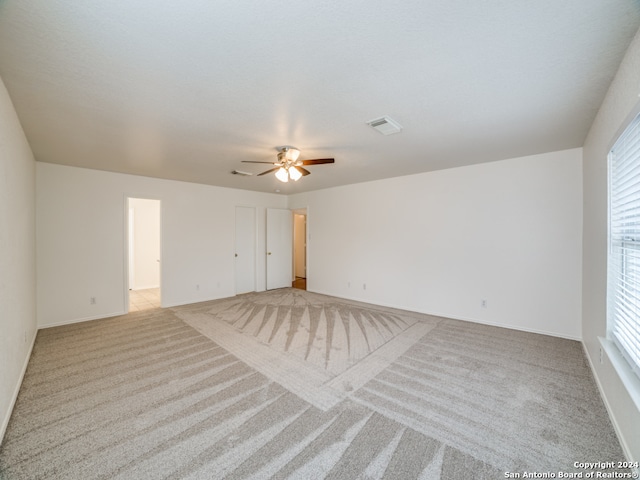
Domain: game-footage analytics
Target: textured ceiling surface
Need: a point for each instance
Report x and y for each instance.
(187, 90)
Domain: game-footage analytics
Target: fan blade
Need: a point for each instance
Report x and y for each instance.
(251, 161)
(303, 171)
(318, 161)
(269, 171)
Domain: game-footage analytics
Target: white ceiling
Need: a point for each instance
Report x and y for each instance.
(187, 90)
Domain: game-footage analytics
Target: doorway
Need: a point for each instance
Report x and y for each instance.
(300, 249)
(143, 254)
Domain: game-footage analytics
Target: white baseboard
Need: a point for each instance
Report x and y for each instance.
(84, 319)
(199, 300)
(616, 427)
(14, 397)
(446, 315)
(514, 327)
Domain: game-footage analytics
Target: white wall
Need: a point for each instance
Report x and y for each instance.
(146, 243)
(619, 104)
(17, 255)
(81, 240)
(441, 242)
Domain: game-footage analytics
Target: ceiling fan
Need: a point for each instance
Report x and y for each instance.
(288, 166)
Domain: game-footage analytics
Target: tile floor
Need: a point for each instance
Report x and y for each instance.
(144, 299)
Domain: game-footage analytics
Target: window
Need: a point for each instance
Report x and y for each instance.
(623, 289)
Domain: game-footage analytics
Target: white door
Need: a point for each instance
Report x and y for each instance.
(245, 249)
(279, 248)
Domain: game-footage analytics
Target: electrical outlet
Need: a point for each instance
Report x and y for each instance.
(348, 284)
(483, 303)
(198, 287)
(92, 300)
(364, 286)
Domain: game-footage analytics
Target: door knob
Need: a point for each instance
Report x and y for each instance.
(268, 253)
(236, 254)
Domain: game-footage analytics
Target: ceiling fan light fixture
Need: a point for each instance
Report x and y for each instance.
(282, 175)
(288, 166)
(295, 174)
(291, 153)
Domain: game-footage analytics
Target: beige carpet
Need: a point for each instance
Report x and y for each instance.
(319, 348)
(290, 384)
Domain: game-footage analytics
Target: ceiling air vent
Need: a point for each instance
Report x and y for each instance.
(385, 125)
(240, 172)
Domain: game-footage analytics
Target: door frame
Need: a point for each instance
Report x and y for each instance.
(126, 246)
(301, 211)
(304, 211)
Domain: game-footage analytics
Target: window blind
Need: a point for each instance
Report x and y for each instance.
(623, 284)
